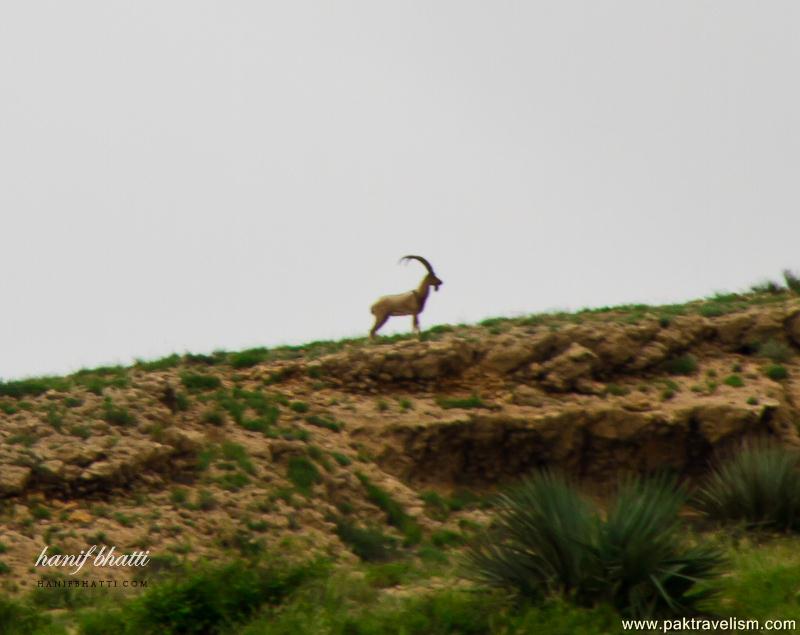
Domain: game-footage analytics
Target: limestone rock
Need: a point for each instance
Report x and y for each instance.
(563, 372)
(13, 479)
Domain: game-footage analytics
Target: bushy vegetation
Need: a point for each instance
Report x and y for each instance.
(248, 358)
(759, 485)
(776, 372)
(302, 473)
(198, 381)
(548, 541)
(792, 280)
(32, 387)
(681, 365)
(368, 543)
(117, 415)
(776, 351)
(22, 618)
(206, 600)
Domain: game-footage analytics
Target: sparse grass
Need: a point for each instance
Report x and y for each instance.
(323, 422)
(617, 390)
(395, 514)
(23, 438)
(179, 496)
(117, 415)
(405, 404)
(382, 405)
(233, 481)
(238, 454)
(205, 500)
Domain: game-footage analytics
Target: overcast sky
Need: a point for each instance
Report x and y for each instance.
(191, 175)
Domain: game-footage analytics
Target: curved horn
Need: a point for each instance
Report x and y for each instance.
(422, 260)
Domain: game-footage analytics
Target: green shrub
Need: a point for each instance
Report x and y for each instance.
(323, 422)
(207, 600)
(20, 618)
(199, 382)
(446, 538)
(760, 485)
(681, 365)
(617, 390)
(205, 500)
(395, 514)
(792, 280)
(32, 387)
(233, 481)
(248, 358)
(776, 372)
(735, 381)
(213, 417)
(165, 363)
(302, 473)
(776, 351)
(117, 415)
(369, 544)
(341, 459)
(300, 407)
(548, 542)
(768, 286)
(237, 453)
(473, 401)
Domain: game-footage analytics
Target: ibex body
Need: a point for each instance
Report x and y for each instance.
(408, 303)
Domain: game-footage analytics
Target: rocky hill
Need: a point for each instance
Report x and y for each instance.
(193, 455)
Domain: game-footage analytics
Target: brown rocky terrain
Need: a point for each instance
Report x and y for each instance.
(195, 455)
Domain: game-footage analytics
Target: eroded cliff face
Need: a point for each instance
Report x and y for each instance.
(197, 449)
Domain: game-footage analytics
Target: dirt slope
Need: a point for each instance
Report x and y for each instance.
(196, 455)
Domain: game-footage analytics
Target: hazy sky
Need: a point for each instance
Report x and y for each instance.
(192, 175)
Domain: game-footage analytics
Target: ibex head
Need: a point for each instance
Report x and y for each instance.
(431, 278)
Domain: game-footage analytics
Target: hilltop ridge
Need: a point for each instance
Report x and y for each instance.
(194, 455)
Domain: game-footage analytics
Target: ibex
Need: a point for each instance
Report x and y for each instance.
(408, 303)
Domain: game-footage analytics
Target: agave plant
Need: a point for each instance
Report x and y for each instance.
(537, 543)
(645, 566)
(547, 541)
(759, 485)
